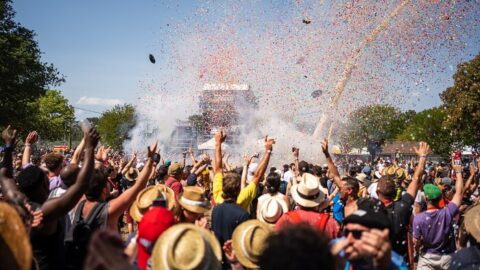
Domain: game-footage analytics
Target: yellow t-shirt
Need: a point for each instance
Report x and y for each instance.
(245, 197)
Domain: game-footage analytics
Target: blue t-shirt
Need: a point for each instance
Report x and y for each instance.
(338, 209)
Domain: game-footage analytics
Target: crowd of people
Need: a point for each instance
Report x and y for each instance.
(93, 208)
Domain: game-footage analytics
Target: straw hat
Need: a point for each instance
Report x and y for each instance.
(249, 241)
(472, 222)
(132, 174)
(146, 197)
(307, 192)
(186, 246)
(361, 177)
(15, 248)
(193, 199)
(272, 209)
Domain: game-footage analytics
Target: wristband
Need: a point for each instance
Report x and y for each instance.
(269, 151)
(458, 171)
(423, 156)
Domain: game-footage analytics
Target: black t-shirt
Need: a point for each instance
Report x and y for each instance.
(400, 213)
(466, 259)
(225, 218)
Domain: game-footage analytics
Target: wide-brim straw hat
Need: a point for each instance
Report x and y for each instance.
(361, 177)
(271, 210)
(186, 246)
(132, 174)
(249, 241)
(15, 248)
(307, 192)
(472, 222)
(193, 199)
(146, 197)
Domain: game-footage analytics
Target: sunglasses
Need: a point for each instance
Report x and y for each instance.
(355, 233)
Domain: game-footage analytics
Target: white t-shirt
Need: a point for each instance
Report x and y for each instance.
(372, 190)
(288, 176)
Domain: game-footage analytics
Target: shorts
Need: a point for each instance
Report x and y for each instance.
(434, 261)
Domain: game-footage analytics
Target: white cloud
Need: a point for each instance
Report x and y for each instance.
(99, 101)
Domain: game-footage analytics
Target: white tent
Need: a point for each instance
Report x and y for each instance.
(210, 145)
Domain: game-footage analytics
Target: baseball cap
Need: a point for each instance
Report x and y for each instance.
(370, 213)
(168, 162)
(153, 224)
(431, 191)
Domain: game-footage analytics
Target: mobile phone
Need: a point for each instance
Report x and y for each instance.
(85, 125)
(156, 157)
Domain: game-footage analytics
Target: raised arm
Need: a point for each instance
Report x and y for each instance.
(220, 137)
(262, 167)
(78, 152)
(246, 162)
(129, 164)
(27, 151)
(473, 172)
(331, 166)
(118, 205)
(422, 152)
(192, 157)
(457, 197)
(9, 137)
(56, 208)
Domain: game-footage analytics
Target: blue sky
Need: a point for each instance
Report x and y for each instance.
(102, 47)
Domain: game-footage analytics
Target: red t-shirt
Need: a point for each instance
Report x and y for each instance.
(175, 185)
(317, 220)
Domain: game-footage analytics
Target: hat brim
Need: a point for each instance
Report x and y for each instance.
(472, 222)
(136, 213)
(284, 205)
(237, 240)
(195, 209)
(161, 248)
(304, 202)
(14, 237)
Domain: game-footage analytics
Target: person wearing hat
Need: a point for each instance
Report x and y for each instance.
(186, 246)
(175, 172)
(193, 206)
(433, 236)
(154, 222)
(400, 211)
(468, 258)
(310, 200)
(272, 205)
(365, 243)
(247, 245)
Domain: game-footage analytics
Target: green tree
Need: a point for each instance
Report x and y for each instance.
(371, 125)
(462, 104)
(429, 126)
(115, 124)
(52, 115)
(23, 76)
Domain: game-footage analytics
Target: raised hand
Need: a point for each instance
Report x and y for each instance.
(325, 146)
(31, 138)
(269, 142)
(151, 150)
(105, 153)
(473, 169)
(9, 135)
(220, 136)
(91, 138)
(423, 149)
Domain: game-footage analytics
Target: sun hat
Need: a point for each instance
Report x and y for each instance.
(361, 177)
(132, 174)
(193, 199)
(15, 247)
(147, 196)
(175, 169)
(472, 222)
(153, 224)
(431, 191)
(249, 241)
(272, 209)
(307, 191)
(251, 171)
(186, 246)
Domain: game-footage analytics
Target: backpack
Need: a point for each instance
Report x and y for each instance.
(80, 234)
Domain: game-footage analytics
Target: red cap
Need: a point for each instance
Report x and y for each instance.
(153, 224)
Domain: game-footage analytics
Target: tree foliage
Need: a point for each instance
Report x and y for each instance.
(462, 104)
(371, 125)
(115, 124)
(53, 116)
(23, 76)
(428, 126)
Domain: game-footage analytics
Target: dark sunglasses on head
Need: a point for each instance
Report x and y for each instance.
(355, 233)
